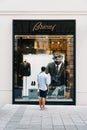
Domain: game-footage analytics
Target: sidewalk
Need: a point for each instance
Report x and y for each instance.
(30, 117)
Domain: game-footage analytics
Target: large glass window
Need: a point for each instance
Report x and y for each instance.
(41, 46)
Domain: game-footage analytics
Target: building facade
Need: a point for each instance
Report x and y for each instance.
(10, 11)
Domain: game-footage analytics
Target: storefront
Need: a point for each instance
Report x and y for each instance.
(35, 44)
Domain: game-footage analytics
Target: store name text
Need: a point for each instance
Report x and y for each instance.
(40, 26)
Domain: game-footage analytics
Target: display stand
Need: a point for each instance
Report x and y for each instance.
(25, 86)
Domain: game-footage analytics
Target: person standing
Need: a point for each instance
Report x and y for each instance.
(43, 85)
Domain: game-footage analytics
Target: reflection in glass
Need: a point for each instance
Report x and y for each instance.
(56, 53)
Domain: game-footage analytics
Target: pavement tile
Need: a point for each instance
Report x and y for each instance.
(29, 117)
(70, 127)
(81, 127)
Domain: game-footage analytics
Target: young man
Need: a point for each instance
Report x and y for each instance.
(43, 86)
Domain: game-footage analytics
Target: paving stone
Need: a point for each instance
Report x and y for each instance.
(30, 117)
(59, 127)
(70, 127)
(82, 127)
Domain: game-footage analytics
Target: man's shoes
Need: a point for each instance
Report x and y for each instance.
(45, 108)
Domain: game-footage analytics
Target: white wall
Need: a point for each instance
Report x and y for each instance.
(43, 5)
(10, 9)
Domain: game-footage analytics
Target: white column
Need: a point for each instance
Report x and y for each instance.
(25, 86)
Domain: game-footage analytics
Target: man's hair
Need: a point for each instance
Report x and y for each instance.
(43, 68)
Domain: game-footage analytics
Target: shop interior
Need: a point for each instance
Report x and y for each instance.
(37, 51)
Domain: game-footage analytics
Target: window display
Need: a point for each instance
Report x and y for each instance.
(48, 43)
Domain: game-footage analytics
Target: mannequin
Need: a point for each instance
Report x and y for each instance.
(25, 71)
(25, 68)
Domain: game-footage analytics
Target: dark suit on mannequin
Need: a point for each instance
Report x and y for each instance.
(25, 68)
(25, 71)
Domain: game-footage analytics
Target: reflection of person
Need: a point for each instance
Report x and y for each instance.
(25, 68)
(43, 86)
(57, 70)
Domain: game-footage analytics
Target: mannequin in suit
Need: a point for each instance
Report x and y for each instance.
(25, 68)
(25, 71)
